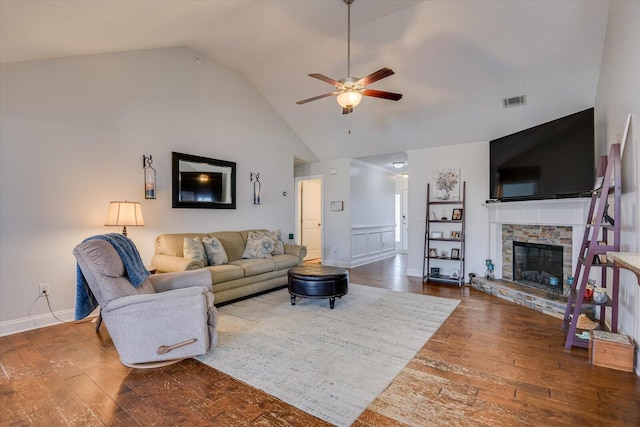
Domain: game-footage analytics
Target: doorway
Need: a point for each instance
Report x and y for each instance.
(402, 215)
(309, 216)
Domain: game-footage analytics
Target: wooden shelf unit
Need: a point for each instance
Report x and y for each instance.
(444, 226)
(599, 238)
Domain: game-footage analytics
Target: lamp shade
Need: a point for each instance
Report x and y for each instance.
(124, 214)
(349, 99)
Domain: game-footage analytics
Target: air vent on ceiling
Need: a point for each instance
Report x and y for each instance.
(514, 101)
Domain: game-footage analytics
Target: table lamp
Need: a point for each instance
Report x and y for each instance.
(125, 213)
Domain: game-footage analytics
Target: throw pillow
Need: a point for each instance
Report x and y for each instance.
(216, 255)
(277, 234)
(193, 249)
(258, 246)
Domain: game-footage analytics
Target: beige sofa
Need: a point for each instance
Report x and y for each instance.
(239, 278)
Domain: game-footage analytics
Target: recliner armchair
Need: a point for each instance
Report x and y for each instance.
(167, 318)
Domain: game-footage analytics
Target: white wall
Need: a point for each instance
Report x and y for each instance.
(368, 193)
(619, 95)
(336, 227)
(473, 161)
(372, 195)
(73, 132)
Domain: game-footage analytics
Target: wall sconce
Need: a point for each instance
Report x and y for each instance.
(256, 187)
(149, 177)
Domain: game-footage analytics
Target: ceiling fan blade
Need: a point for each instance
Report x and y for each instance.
(347, 110)
(304, 101)
(326, 79)
(374, 77)
(382, 94)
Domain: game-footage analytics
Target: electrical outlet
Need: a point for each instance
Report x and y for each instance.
(43, 289)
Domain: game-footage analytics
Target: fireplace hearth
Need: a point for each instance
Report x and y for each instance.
(538, 265)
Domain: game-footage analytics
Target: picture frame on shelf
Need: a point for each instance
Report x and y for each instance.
(435, 272)
(436, 234)
(455, 234)
(457, 214)
(455, 253)
(433, 253)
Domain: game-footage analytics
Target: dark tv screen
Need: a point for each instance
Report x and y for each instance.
(201, 186)
(551, 160)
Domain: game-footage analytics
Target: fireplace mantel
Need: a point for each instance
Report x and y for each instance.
(559, 212)
(540, 212)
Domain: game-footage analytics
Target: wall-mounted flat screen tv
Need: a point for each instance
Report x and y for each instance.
(551, 160)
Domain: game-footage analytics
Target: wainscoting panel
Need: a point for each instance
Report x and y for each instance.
(372, 243)
(358, 245)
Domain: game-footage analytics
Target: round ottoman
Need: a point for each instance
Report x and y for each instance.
(318, 281)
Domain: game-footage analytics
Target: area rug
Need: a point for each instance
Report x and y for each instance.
(329, 363)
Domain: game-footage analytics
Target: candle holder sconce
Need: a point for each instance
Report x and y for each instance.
(256, 186)
(149, 177)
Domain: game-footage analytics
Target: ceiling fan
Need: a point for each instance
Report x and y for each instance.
(349, 90)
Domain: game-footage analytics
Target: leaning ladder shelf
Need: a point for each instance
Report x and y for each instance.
(453, 242)
(599, 230)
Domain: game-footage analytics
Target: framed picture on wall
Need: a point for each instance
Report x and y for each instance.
(446, 184)
(337, 206)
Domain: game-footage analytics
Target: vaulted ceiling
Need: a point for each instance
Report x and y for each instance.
(454, 61)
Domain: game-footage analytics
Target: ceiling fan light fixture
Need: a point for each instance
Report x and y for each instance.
(349, 99)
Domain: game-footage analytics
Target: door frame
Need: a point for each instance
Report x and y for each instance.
(298, 215)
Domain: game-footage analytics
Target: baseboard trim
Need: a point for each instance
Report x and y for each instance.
(360, 261)
(414, 272)
(371, 258)
(35, 322)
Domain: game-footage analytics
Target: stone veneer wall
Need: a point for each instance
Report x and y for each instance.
(541, 234)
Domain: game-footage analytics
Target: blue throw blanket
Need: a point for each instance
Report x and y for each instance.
(137, 272)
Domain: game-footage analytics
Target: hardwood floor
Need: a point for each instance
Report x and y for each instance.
(491, 363)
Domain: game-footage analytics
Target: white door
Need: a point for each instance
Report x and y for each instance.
(311, 217)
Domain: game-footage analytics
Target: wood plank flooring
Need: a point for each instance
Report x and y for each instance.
(491, 363)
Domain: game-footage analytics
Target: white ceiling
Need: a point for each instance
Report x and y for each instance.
(454, 60)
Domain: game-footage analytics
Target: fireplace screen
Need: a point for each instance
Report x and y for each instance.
(537, 265)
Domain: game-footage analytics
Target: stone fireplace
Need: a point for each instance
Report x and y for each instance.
(538, 265)
(532, 254)
(545, 222)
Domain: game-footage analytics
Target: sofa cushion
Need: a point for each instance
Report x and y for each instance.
(258, 246)
(224, 273)
(276, 235)
(232, 241)
(172, 244)
(193, 249)
(253, 267)
(216, 255)
(285, 261)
